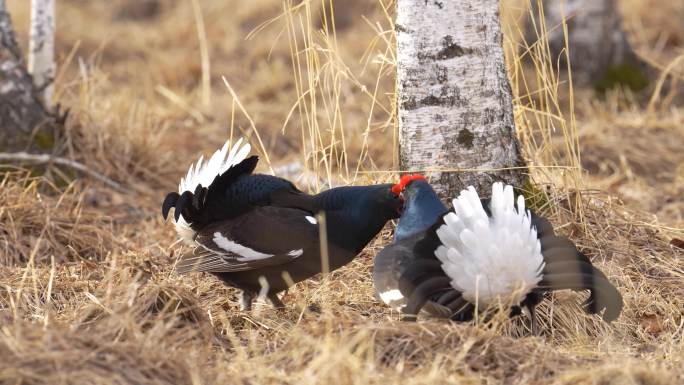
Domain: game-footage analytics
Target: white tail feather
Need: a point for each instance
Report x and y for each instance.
(203, 173)
(487, 257)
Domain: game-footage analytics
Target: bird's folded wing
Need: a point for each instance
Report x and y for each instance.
(265, 236)
(567, 268)
(387, 269)
(543, 226)
(398, 273)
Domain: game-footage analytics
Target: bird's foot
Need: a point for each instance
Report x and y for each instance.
(246, 300)
(534, 325)
(275, 301)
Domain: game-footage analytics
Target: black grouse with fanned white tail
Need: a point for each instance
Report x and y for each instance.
(478, 253)
(422, 208)
(259, 233)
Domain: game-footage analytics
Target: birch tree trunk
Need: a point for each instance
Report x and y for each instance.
(41, 60)
(23, 118)
(455, 109)
(598, 47)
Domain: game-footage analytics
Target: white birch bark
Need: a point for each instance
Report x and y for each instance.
(41, 59)
(455, 109)
(596, 39)
(23, 119)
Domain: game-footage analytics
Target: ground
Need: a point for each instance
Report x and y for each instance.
(87, 291)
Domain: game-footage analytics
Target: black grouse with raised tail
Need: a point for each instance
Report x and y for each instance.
(452, 262)
(259, 233)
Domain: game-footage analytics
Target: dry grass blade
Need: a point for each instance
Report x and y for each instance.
(38, 218)
(316, 79)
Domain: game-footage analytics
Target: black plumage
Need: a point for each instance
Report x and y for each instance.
(410, 266)
(259, 233)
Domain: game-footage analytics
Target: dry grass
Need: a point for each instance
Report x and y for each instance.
(41, 222)
(86, 290)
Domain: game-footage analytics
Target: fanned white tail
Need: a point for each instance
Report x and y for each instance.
(204, 172)
(490, 256)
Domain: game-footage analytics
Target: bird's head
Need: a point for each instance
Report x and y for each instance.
(390, 201)
(422, 206)
(410, 185)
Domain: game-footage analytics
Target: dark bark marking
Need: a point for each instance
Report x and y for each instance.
(409, 104)
(449, 96)
(465, 138)
(450, 49)
(489, 116)
(442, 74)
(431, 100)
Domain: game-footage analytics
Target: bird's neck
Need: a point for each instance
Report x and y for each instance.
(353, 232)
(353, 214)
(420, 213)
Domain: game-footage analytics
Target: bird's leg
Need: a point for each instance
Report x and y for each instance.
(408, 317)
(246, 299)
(275, 301)
(534, 326)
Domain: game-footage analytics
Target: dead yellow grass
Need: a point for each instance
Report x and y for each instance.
(40, 222)
(108, 310)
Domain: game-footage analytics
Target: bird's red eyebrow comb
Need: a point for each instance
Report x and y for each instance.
(405, 181)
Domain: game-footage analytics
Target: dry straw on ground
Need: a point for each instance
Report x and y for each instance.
(86, 289)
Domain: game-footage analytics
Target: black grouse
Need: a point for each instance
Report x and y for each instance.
(452, 262)
(259, 233)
